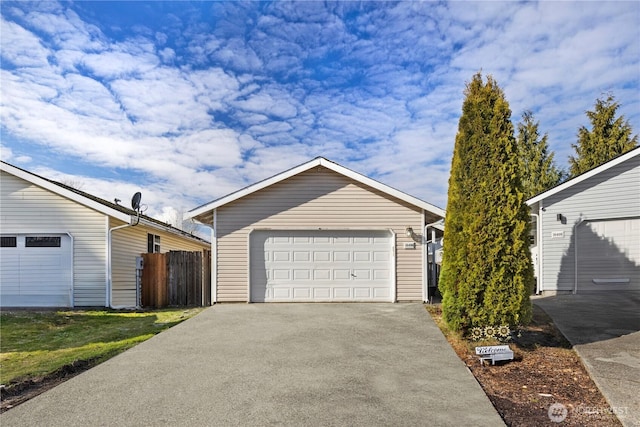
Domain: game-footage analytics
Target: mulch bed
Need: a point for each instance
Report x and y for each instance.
(545, 372)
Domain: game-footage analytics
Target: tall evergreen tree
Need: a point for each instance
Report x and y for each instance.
(609, 136)
(487, 275)
(539, 172)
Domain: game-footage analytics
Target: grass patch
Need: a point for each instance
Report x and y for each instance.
(36, 344)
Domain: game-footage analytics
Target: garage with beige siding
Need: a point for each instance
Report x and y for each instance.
(318, 232)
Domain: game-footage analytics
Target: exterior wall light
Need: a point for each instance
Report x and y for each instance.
(409, 232)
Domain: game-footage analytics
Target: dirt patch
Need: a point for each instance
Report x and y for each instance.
(546, 373)
(20, 391)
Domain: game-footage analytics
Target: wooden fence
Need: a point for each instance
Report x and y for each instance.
(176, 278)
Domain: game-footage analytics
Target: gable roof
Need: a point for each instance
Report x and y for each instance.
(586, 175)
(96, 203)
(318, 161)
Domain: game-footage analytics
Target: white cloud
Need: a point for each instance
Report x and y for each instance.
(20, 47)
(273, 104)
(198, 107)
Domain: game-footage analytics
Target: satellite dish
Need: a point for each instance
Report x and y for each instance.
(135, 201)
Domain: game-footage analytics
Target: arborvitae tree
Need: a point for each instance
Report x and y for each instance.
(487, 275)
(609, 136)
(539, 172)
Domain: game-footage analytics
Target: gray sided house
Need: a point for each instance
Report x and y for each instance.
(587, 233)
(319, 232)
(61, 247)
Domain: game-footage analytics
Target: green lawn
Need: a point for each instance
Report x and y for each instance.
(34, 344)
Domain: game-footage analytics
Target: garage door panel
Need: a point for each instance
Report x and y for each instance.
(321, 274)
(301, 256)
(339, 265)
(281, 275)
(364, 240)
(342, 256)
(301, 274)
(381, 274)
(380, 256)
(341, 274)
(281, 256)
(342, 293)
(322, 256)
(322, 293)
(301, 293)
(361, 274)
(362, 293)
(381, 293)
(362, 256)
(281, 293)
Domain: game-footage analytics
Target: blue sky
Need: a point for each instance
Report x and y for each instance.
(188, 101)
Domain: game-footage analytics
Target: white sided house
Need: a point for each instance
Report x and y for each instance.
(587, 234)
(319, 233)
(61, 247)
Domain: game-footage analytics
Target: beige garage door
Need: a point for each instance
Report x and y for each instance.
(321, 265)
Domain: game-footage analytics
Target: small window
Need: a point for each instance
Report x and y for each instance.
(8, 242)
(153, 243)
(42, 242)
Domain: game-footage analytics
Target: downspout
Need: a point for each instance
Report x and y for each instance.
(540, 248)
(433, 255)
(575, 252)
(538, 258)
(72, 269)
(425, 262)
(214, 258)
(109, 267)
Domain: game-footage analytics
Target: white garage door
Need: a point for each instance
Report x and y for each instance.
(609, 254)
(35, 270)
(344, 265)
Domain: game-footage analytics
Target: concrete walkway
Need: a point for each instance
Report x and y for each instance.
(605, 332)
(276, 364)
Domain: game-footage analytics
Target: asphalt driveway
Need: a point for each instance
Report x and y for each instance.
(604, 329)
(276, 364)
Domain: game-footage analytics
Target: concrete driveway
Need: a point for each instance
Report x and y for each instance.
(276, 364)
(604, 329)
